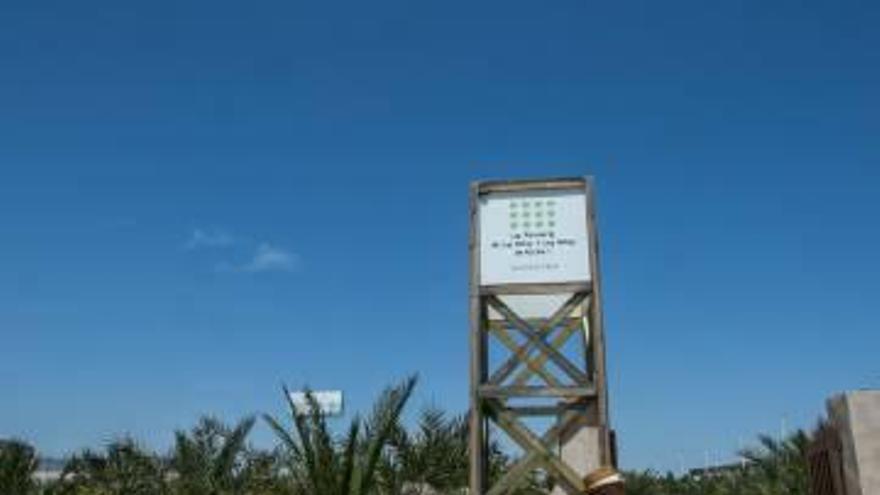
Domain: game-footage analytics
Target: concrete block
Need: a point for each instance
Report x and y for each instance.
(856, 415)
(580, 448)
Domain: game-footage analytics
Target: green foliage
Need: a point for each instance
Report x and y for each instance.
(18, 463)
(212, 459)
(122, 469)
(774, 467)
(321, 464)
(373, 456)
(780, 465)
(434, 455)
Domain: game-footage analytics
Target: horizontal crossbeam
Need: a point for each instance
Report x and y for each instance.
(534, 289)
(495, 391)
(554, 410)
(554, 184)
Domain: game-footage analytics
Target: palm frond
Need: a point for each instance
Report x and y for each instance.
(386, 414)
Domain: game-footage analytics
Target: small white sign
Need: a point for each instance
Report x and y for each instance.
(329, 402)
(534, 237)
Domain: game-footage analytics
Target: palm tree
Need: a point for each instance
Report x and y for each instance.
(264, 474)
(211, 458)
(320, 464)
(779, 467)
(18, 463)
(434, 458)
(775, 467)
(124, 469)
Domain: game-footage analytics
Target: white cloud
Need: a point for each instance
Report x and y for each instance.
(266, 258)
(208, 239)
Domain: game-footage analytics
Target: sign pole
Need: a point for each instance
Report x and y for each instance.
(478, 434)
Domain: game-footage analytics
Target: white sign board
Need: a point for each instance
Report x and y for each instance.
(534, 237)
(329, 402)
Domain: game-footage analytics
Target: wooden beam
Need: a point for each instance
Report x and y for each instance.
(517, 473)
(478, 430)
(541, 359)
(494, 391)
(597, 326)
(514, 477)
(532, 444)
(502, 186)
(501, 332)
(539, 322)
(538, 340)
(554, 410)
(534, 289)
(509, 366)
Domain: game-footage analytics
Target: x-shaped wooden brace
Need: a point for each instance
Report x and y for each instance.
(566, 331)
(536, 338)
(538, 451)
(536, 366)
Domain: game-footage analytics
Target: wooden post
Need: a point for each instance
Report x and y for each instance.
(478, 433)
(597, 328)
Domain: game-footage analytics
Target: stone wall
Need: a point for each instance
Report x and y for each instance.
(856, 415)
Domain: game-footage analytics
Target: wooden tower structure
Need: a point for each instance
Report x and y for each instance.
(536, 334)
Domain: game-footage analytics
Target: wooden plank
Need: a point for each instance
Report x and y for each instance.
(535, 288)
(517, 473)
(540, 323)
(476, 440)
(536, 446)
(510, 365)
(515, 476)
(502, 186)
(596, 321)
(495, 391)
(554, 410)
(541, 359)
(500, 331)
(538, 340)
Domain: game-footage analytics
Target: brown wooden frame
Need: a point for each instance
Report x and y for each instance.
(580, 386)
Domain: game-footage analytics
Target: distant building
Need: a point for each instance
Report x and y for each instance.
(50, 469)
(718, 471)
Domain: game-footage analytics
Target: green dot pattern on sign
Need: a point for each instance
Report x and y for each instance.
(527, 214)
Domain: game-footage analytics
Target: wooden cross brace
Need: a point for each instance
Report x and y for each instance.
(536, 339)
(538, 451)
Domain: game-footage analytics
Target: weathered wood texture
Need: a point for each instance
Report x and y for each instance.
(575, 387)
(825, 462)
(535, 289)
(477, 440)
(596, 360)
(502, 186)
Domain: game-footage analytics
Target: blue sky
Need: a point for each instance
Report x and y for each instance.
(201, 200)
